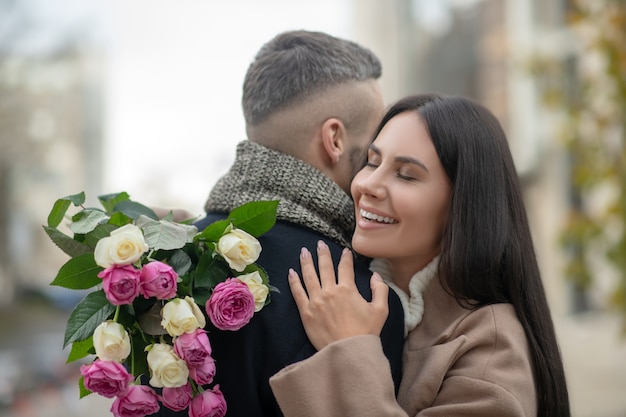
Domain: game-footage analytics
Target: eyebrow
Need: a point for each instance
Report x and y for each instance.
(402, 159)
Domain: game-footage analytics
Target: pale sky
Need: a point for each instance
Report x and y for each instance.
(173, 87)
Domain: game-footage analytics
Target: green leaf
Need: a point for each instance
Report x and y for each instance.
(86, 316)
(141, 304)
(210, 272)
(83, 392)
(214, 231)
(60, 208)
(58, 211)
(138, 355)
(79, 273)
(180, 262)
(109, 201)
(126, 315)
(102, 230)
(255, 217)
(66, 243)
(119, 219)
(133, 209)
(88, 221)
(81, 349)
(165, 235)
(150, 321)
(77, 199)
(201, 296)
(184, 284)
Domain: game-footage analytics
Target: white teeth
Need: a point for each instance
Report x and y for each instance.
(375, 217)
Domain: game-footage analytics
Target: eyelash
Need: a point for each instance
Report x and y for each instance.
(406, 178)
(402, 177)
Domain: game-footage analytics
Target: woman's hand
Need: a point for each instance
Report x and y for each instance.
(334, 309)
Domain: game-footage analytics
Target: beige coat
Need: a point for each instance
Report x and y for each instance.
(457, 362)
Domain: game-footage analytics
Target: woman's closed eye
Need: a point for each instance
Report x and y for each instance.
(408, 174)
(402, 173)
(406, 177)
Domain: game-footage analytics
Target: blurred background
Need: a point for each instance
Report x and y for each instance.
(144, 96)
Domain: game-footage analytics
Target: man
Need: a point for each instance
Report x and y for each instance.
(311, 102)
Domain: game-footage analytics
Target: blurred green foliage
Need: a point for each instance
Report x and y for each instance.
(586, 87)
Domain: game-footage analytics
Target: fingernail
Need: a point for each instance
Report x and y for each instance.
(321, 244)
(304, 253)
(377, 276)
(346, 250)
(292, 274)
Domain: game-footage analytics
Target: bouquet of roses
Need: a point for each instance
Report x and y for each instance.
(151, 279)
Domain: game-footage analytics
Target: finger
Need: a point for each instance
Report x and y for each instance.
(380, 292)
(297, 290)
(346, 268)
(309, 274)
(325, 264)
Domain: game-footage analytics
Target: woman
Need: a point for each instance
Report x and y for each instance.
(440, 208)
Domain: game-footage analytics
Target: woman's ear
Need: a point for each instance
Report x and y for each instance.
(333, 139)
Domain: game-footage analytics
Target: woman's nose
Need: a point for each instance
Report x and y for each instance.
(371, 185)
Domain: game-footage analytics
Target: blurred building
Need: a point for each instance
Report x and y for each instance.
(51, 141)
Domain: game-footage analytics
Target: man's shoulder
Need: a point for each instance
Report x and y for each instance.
(283, 233)
(282, 243)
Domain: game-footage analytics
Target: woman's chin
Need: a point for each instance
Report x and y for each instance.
(365, 246)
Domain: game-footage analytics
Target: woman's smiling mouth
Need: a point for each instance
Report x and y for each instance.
(374, 217)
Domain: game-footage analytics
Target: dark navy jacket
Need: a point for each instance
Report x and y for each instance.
(274, 338)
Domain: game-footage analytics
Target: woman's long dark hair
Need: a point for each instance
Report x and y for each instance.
(487, 250)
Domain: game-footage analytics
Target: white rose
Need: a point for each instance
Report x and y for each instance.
(181, 316)
(166, 368)
(259, 290)
(111, 341)
(124, 246)
(239, 248)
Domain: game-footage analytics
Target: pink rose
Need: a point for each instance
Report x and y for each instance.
(194, 348)
(204, 373)
(158, 280)
(106, 378)
(231, 305)
(139, 401)
(178, 398)
(209, 403)
(120, 284)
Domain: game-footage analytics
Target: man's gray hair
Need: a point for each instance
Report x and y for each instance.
(296, 64)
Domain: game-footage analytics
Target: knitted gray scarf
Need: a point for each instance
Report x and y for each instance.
(307, 197)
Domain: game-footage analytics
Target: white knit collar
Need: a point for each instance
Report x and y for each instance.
(413, 303)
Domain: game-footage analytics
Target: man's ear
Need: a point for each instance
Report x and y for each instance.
(333, 139)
